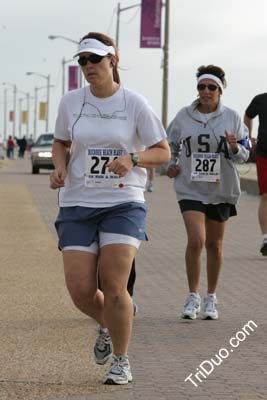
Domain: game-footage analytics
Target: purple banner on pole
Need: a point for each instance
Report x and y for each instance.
(150, 35)
(73, 77)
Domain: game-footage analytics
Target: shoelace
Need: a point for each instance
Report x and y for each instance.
(210, 305)
(118, 365)
(103, 341)
(191, 302)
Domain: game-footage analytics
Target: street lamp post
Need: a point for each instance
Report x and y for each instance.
(36, 89)
(5, 113)
(14, 104)
(119, 10)
(35, 113)
(64, 62)
(27, 94)
(77, 42)
(166, 4)
(165, 66)
(47, 77)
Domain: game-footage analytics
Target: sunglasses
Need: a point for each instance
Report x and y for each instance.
(93, 59)
(211, 87)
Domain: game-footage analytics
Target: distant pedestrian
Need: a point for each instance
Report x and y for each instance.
(258, 107)
(22, 143)
(10, 147)
(206, 139)
(150, 179)
(30, 142)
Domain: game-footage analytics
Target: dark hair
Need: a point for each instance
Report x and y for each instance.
(109, 42)
(214, 70)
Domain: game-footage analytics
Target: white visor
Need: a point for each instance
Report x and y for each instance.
(213, 77)
(94, 46)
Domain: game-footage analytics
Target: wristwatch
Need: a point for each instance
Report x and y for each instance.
(134, 159)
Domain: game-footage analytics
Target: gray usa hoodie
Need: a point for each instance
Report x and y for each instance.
(189, 133)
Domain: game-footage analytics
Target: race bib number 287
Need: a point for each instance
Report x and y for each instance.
(206, 167)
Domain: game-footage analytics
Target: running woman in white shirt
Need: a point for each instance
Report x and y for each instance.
(105, 138)
(206, 140)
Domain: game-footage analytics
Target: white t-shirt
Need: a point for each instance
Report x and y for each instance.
(120, 124)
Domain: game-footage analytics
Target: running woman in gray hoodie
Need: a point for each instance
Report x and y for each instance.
(206, 139)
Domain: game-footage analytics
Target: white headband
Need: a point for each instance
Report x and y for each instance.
(94, 46)
(213, 77)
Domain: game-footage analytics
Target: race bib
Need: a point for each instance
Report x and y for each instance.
(97, 173)
(206, 167)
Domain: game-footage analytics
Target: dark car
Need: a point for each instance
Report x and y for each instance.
(41, 153)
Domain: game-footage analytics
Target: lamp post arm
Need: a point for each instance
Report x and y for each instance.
(63, 37)
(119, 10)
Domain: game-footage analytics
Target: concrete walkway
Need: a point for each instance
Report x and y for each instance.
(46, 344)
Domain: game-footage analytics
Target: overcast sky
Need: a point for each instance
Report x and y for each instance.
(229, 33)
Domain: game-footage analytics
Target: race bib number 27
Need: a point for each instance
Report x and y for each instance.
(97, 173)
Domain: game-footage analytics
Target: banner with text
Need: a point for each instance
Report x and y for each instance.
(24, 117)
(73, 77)
(150, 34)
(11, 116)
(42, 110)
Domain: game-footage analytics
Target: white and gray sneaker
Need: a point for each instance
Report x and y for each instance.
(149, 187)
(191, 307)
(210, 307)
(103, 346)
(120, 372)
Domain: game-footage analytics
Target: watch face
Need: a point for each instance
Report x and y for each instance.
(135, 159)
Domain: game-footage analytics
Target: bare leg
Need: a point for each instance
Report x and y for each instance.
(81, 279)
(150, 174)
(262, 213)
(214, 243)
(195, 228)
(114, 269)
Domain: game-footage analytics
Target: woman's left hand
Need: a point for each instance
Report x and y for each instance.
(121, 166)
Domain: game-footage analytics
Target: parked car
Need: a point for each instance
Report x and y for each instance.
(41, 153)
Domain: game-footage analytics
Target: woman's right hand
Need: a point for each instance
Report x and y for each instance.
(173, 171)
(57, 178)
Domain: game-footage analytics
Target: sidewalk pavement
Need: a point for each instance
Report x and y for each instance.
(46, 344)
(248, 178)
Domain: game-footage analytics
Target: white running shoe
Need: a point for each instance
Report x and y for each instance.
(120, 372)
(149, 187)
(135, 308)
(191, 307)
(210, 307)
(103, 346)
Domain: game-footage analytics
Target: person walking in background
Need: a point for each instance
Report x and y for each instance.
(105, 138)
(206, 139)
(258, 107)
(22, 143)
(10, 147)
(150, 179)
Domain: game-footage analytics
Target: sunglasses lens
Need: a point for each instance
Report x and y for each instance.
(82, 61)
(212, 87)
(202, 86)
(93, 59)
